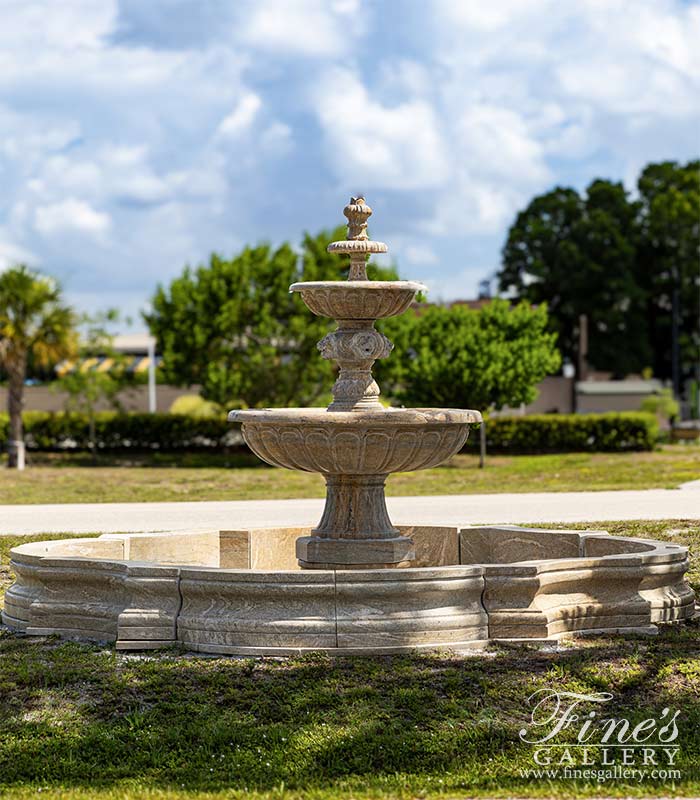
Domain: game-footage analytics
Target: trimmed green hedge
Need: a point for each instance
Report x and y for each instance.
(547, 433)
(563, 433)
(138, 432)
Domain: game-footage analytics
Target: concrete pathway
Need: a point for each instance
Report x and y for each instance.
(445, 510)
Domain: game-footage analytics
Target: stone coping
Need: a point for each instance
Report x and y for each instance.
(202, 549)
(374, 417)
(342, 286)
(241, 591)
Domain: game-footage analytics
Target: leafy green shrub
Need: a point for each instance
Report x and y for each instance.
(664, 405)
(138, 432)
(192, 405)
(494, 356)
(562, 433)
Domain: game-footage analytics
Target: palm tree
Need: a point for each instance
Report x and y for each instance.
(34, 322)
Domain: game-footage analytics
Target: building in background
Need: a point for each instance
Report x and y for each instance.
(140, 358)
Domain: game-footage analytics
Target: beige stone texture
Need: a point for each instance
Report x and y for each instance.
(353, 300)
(365, 586)
(234, 549)
(260, 548)
(199, 548)
(614, 545)
(275, 548)
(233, 609)
(16, 612)
(437, 607)
(435, 545)
(509, 544)
(315, 552)
(77, 598)
(355, 442)
(615, 584)
(102, 547)
(75, 589)
(152, 605)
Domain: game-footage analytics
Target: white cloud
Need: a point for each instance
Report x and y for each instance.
(419, 254)
(242, 116)
(277, 138)
(393, 147)
(27, 137)
(461, 283)
(70, 215)
(489, 17)
(78, 23)
(66, 45)
(12, 253)
(523, 85)
(498, 141)
(311, 28)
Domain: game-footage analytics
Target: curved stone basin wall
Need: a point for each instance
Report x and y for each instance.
(241, 592)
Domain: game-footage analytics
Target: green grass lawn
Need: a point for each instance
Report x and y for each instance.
(84, 721)
(67, 480)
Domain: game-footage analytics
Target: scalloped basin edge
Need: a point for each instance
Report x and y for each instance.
(358, 300)
(241, 592)
(355, 442)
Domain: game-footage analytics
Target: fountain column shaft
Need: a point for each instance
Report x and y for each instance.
(358, 268)
(355, 346)
(355, 530)
(355, 508)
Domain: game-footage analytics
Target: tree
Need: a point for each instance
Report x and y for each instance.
(88, 388)
(668, 263)
(577, 254)
(34, 322)
(457, 357)
(233, 327)
(619, 261)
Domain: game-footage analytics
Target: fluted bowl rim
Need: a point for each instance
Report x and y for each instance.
(374, 286)
(385, 417)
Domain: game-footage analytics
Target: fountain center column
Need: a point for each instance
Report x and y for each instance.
(355, 346)
(355, 530)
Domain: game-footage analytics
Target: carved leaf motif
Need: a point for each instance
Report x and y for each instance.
(368, 450)
(353, 303)
(355, 346)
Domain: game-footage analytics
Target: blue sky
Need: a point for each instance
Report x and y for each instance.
(140, 135)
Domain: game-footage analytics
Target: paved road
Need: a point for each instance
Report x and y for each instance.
(446, 510)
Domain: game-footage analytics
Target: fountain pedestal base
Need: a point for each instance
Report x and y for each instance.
(314, 552)
(355, 531)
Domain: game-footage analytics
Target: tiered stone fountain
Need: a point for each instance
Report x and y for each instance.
(356, 443)
(356, 583)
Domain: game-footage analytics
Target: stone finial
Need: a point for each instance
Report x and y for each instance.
(357, 212)
(358, 245)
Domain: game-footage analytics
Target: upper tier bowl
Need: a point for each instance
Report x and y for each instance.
(355, 442)
(358, 299)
